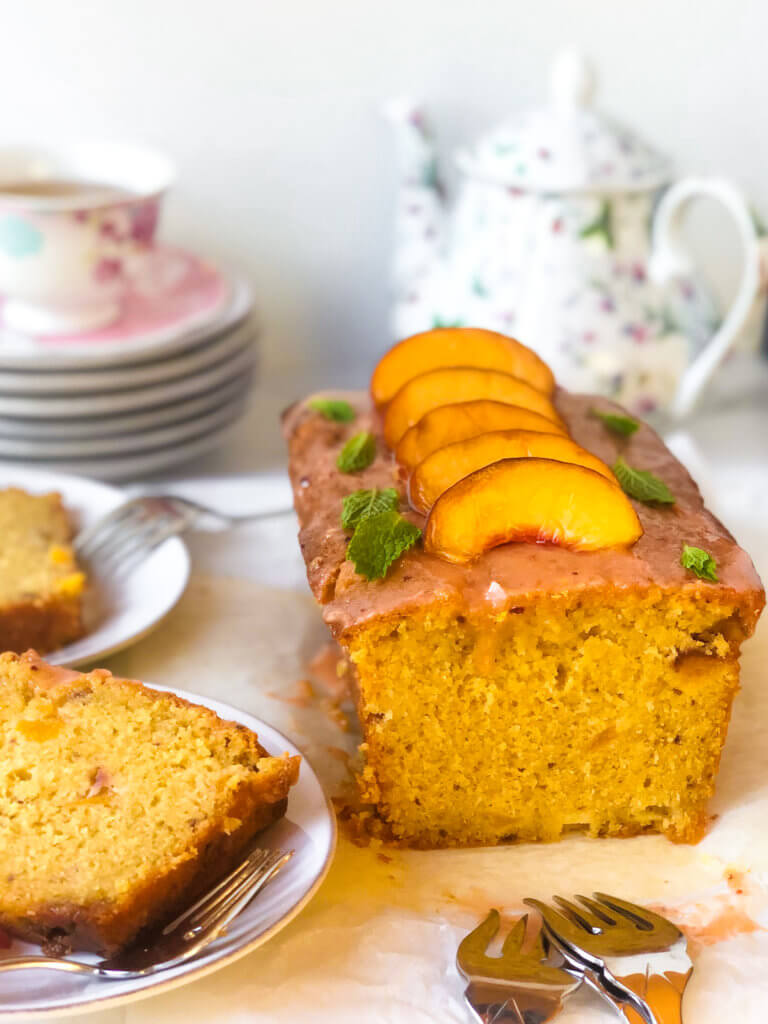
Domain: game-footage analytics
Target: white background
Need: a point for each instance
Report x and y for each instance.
(270, 108)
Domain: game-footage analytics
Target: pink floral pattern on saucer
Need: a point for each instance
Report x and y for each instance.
(170, 290)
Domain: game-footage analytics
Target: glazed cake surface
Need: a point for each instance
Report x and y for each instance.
(537, 690)
(118, 804)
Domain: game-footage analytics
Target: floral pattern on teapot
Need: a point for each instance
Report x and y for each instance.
(569, 271)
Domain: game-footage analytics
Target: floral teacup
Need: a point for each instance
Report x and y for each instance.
(76, 223)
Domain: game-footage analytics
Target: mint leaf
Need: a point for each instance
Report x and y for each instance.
(601, 226)
(623, 425)
(699, 562)
(641, 484)
(379, 541)
(335, 409)
(358, 453)
(363, 504)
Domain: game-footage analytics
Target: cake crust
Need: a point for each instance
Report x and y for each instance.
(513, 573)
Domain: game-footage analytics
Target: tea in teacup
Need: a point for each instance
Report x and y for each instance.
(61, 188)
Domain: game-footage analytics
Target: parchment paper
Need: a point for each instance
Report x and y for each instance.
(378, 941)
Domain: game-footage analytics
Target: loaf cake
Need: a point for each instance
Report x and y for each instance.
(118, 804)
(41, 585)
(543, 659)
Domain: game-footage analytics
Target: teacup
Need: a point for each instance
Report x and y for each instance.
(76, 222)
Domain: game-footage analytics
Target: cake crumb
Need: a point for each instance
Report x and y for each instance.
(330, 667)
(302, 698)
(336, 713)
(340, 755)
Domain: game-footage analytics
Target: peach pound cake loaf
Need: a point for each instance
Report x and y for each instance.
(41, 586)
(544, 620)
(118, 804)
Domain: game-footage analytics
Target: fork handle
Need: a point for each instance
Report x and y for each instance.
(46, 963)
(209, 521)
(623, 999)
(662, 993)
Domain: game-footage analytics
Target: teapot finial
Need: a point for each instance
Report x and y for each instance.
(572, 81)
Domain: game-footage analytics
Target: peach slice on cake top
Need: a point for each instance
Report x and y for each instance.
(446, 466)
(450, 423)
(452, 384)
(456, 346)
(534, 500)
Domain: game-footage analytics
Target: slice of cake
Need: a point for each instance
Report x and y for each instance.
(118, 804)
(553, 652)
(41, 585)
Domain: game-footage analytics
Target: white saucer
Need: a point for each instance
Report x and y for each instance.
(309, 829)
(128, 375)
(130, 400)
(97, 445)
(127, 423)
(139, 464)
(21, 353)
(117, 616)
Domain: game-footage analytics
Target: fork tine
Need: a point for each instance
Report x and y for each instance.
(103, 541)
(137, 547)
(208, 898)
(558, 925)
(476, 942)
(539, 947)
(92, 537)
(587, 921)
(514, 941)
(641, 917)
(138, 544)
(121, 539)
(598, 909)
(232, 886)
(226, 909)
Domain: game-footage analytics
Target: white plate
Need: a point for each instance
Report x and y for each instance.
(117, 616)
(128, 423)
(129, 375)
(26, 354)
(47, 407)
(128, 444)
(129, 467)
(309, 828)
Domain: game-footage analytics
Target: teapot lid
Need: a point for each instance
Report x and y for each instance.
(568, 145)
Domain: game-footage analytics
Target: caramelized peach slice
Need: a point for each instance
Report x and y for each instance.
(534, 500)
(450, 423)
(457, 346)
(445, 467)
(459, 384)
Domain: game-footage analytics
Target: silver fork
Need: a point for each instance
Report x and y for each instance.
(518, 987)
(130, 533)
(185, 936)
(635, 959)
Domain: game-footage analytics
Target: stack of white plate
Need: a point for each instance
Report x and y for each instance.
(164, 386)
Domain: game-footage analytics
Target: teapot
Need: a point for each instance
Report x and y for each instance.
(567, 233)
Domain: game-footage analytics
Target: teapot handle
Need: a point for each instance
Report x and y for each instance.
(670, 259)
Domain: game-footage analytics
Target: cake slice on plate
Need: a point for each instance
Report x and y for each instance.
(41, 585)
(119, 804)
(544, 645)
